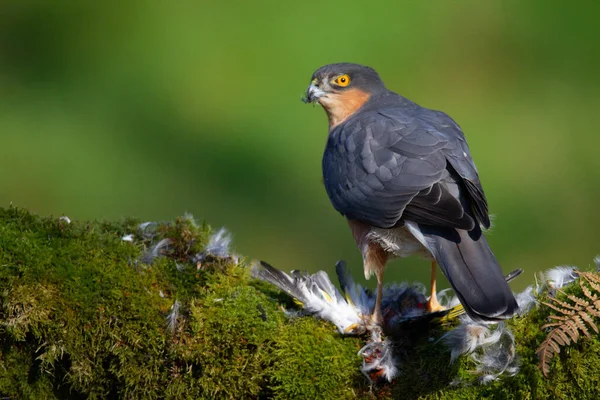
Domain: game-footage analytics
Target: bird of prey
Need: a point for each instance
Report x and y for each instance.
(403, 177)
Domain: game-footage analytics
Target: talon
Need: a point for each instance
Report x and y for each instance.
(433, 305)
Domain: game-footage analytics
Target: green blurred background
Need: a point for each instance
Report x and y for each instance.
(152, 109)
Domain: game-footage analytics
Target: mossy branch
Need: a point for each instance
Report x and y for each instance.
(87, 313)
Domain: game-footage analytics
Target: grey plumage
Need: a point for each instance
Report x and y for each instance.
(393, 163)
(394, 155)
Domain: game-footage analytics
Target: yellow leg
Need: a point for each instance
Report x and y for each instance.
(377, 316)
(375, 259)
(433, 305)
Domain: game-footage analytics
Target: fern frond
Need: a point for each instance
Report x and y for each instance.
(593, 280)
(578, 301)
(574, 316)
(557, 318)
(564, 303)
(587, 292)
(586, 317)
(594, 311)
(552, 324)
(571, 328)
(591, 276)
(561, 338)
(581, 325)
(555, 308)
(545, 354)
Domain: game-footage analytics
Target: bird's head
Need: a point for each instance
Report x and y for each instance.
(342, 89)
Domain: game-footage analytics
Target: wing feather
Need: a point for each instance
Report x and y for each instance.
(383, 166)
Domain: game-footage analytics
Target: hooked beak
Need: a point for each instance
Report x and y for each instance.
(313, 93)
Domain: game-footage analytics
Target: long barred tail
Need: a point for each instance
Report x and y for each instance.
(472, 269)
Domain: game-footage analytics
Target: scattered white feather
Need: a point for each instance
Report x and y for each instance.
(147, 229)
(485, 379)
(172, 316)
(66, 219)
(218, 244)
(190, 218)
(127, 238)
(559, 277)
(491, 347)
(467, 337)
(161, 294)
(527, 299)
(597, 262)
(497, 358)
(156, 251)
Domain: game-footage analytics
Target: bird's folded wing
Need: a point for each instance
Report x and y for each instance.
(384, 165)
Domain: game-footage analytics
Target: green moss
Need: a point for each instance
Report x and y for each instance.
(313, 362)
(82, 315)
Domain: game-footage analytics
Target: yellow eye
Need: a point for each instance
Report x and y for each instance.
(342, 80)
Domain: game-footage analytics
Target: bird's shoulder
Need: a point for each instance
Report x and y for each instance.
(397, 125)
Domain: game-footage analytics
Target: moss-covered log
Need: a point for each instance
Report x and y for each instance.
(86, 314)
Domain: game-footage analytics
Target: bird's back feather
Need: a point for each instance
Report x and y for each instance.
(390, 157)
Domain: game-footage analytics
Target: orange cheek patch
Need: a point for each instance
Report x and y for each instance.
(340, 106)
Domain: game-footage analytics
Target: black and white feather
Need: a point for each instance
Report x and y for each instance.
(318, 296)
